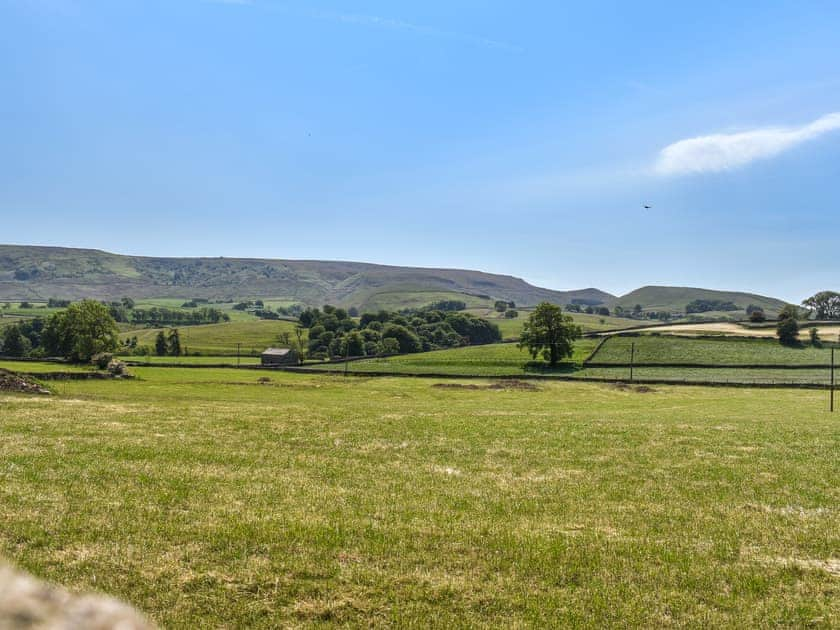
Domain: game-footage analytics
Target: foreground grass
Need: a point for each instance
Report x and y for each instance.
(728, 350)
(208, 499)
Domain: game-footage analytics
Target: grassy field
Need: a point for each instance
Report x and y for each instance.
(210, 500)
(512, 328)
(729, 351)
(398, 300)
(733, 376)
(220, 339)
(193, 360)
(32, 367)
(500, 359)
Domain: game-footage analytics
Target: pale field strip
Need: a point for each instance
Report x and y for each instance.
(826, 332)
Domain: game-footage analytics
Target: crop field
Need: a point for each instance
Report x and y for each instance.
(728, 351)
(208, 499)
(254, 336)
(500, 359)
(828, 332)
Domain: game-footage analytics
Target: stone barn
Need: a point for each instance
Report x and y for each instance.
(279, 356)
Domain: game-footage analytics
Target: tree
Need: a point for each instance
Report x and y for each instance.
(407, 340)
(14, 343)
(354, 345)
(511, 314)
(549, 332)
(390, 346)
(789, 311)
(637, 310)
(173, 343)
(814, 334)
(501, 306)
(86, 328)
(787, 331)
(160, 344)
(824, 305)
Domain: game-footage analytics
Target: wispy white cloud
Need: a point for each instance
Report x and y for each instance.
(375, 21)
(725, 151)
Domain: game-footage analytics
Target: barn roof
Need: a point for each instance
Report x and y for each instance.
(276, 352)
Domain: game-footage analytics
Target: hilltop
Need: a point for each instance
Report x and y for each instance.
(37, 273)
(675, 299)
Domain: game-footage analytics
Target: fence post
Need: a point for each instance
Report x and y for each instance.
(632, 358)
(831, 405)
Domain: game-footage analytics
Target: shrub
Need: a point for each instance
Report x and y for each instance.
(757, 316)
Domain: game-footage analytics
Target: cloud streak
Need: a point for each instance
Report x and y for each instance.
(726, 151)
(375, 21)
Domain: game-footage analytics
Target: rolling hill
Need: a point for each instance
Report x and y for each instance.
(37, 273)
(675, 299)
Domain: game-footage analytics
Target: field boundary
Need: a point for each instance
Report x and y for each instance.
(712, 366)
(551, 377)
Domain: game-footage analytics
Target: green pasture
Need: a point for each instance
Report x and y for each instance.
(719, 350)
(209, 499)
(254, 335)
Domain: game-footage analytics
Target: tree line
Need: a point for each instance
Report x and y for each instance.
(333, 332)
(78, 333)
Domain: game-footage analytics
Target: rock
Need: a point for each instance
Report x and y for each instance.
(11, 382)
(26, 602)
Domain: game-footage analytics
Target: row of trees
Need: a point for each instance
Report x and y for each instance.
(168, 344)
(81, 331)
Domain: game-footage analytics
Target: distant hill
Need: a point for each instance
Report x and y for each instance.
(676, 298)
(38, 273)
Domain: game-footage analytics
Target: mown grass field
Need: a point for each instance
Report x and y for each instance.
(512, 328)
(194, 360)
(725, 350)
(210, 500)
(32, 367)
(500, 359)
(254, 335)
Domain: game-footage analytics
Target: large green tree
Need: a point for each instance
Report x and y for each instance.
(14, 344)
(549, 332)
(824, 305)
(84, 329)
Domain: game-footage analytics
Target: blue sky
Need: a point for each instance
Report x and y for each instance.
(513, 137)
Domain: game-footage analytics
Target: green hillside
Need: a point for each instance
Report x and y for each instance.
(37, 273)
(675, 299)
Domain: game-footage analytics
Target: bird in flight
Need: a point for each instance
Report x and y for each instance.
(648, 207)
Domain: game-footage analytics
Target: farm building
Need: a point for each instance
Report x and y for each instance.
(279, 356)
